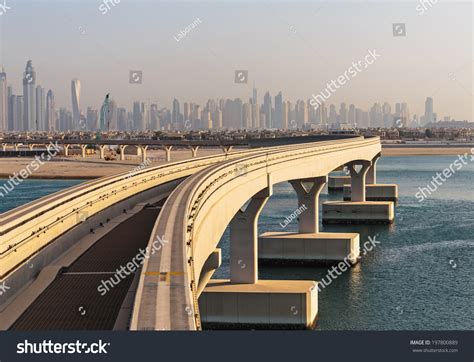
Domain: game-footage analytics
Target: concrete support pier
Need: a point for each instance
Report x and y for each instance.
(122, 152)
(308, 245)
(268, 304)
(244, 301)
(276, 247)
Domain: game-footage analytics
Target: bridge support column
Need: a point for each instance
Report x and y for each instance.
(122, 152)
(308, 203)
(168, 153)
(358, 210)
(102, 151)
(371, 177)
(66, 149)
(243, 240)
(31, 147)
(16, 146)
(143, 150)
(358, 179)
(4, 147)
(194, 151)
(374, 191)
(83, 150)
(308, 245)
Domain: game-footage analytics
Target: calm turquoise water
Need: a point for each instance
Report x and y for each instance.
(419, 277)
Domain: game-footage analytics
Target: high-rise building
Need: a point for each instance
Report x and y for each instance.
(285, 115)
(76, 97)
(51, 124)
(332, 114)
(343, 113)
(40, 109)
(301, 113)
(428, 110)
(3, 100)
(351, 115)
(254, 95)
(122, 119)
(247, 116)
(278, 119)
(267, 110)
(255, 116)
(387, 115)
(176, 115)
(18, 108)
(29, 98)
(10, 108)
(92, 119)
(376, 116)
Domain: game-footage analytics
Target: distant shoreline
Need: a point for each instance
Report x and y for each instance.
(92, 169)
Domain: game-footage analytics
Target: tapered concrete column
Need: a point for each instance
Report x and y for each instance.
(31, 147)
(244, 240)
(4, 147)
(122, 152)
(194, 150)
(102, 151)
(371, 178)
(16, 146)
(358, 179)
(142, 152)
(227, 149)
(66, 149)
(83, 150)
(308, 201)
(168, 153)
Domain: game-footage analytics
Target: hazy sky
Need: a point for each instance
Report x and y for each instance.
(293, 47)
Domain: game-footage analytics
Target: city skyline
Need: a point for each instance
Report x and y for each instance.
(31, 111)
(310, 51)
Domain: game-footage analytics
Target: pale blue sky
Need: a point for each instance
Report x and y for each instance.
(292, 47)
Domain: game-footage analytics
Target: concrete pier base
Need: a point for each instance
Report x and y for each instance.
(288, 247)
(267, 304)
(336, 183)
(377, 192)
(358, 212)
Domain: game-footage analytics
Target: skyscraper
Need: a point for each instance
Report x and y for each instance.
(50, 112)
(76, 97)
(29, 98)
(3, 101)
(429, 110)
(351, 115)
(278, 121)
(267, 110)
(254, 95)
(40, 109)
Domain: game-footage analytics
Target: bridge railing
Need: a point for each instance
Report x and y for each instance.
(29, 228)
